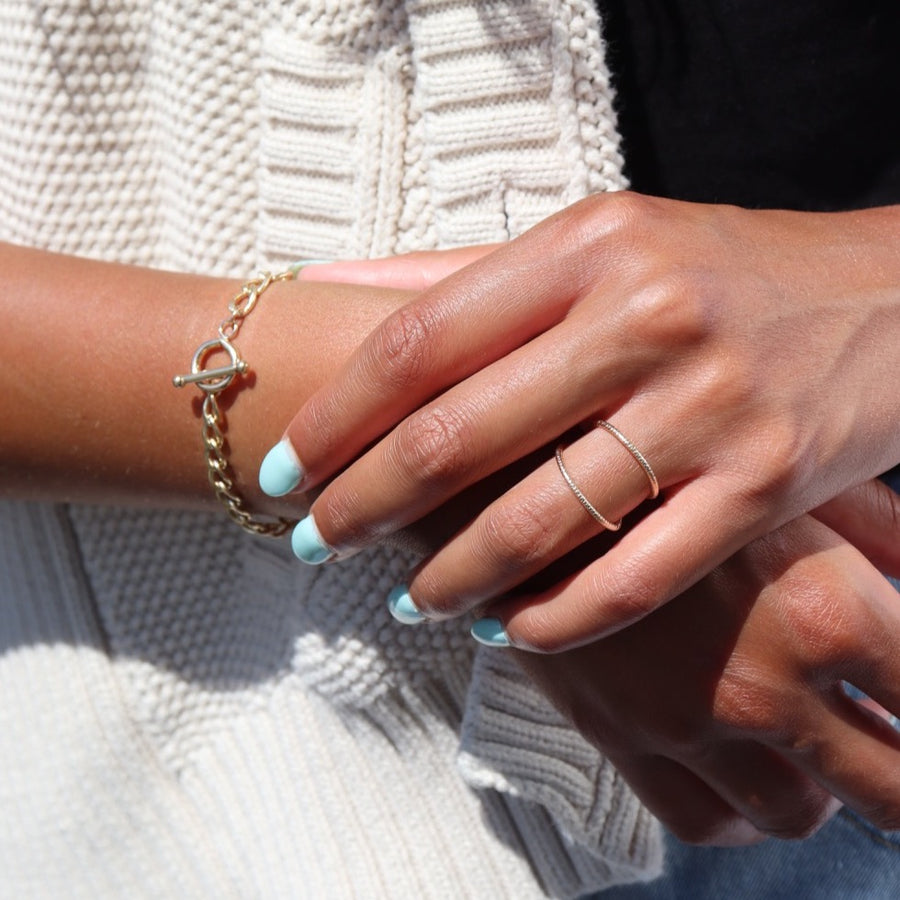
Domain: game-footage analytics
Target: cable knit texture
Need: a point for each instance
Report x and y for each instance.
(185, 710)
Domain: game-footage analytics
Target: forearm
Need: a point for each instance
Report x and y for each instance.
(89, 349)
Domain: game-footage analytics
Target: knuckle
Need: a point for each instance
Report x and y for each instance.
(399, 350)
(744, 703)
(779, 462)
(613, 214)
(435, 446)
(514, 537)
(623, 597)
(597, 609)
(670, 312)
(726, 383)
(321, 427)
(617, 220)
(822, 623)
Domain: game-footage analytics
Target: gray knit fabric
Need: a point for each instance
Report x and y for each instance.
(184, 710)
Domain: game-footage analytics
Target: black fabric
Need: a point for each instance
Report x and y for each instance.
(770, 103)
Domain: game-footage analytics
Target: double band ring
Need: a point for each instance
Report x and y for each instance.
(579, 494)
(609, 526)
(639, 457)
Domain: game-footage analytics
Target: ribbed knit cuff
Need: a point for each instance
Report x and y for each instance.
(514, 741)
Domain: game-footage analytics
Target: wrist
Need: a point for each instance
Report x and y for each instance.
(90, 349)
(297, 339)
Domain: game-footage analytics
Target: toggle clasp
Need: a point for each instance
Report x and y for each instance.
(212, 380)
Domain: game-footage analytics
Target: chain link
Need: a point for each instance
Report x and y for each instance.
(245, 300)
(212, 382)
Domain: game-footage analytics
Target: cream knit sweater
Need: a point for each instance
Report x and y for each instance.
(169, 728)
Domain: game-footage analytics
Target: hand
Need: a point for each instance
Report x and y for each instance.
(725, 709)
(748, 355)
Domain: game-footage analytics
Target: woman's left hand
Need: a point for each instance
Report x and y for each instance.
(726, 710)
(748, 355)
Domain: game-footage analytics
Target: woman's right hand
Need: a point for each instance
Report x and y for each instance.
(749, 354)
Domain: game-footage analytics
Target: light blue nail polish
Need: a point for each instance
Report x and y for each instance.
(402, 608)
(490, 632)
(280, 471)
(307, 543)
(303, 263)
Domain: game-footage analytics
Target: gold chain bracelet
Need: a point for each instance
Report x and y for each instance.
(212, 382)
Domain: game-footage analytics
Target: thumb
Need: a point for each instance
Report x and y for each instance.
(867, 516)
(409, 271)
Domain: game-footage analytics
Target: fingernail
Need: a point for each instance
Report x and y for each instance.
(302, 264)
(280, 471)
(490, 632)
(402, 608)
(307, 543)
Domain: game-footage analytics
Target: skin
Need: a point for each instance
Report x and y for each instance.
(71, 435)
(748, 354)
(725, 709)
(90, 418)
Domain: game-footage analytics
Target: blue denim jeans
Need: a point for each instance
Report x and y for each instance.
(848, 859)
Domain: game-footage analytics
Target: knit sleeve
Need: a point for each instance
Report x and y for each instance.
(514, 741)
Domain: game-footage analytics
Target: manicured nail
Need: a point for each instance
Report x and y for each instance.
(402, 608)
(490, 632)
(307, 543)
(280, 471)
(302, 264)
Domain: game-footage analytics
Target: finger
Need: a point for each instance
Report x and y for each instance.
(875, 667)
(538, 521)
(476, 316)
(762, 786)
(840, 627)
(875, 708)
(661, 557)
(494, 418)
(410, 271)
(855, 755)
(868, 516)
(685, 804)
(841, 619)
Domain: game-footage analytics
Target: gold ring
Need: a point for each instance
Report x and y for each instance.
(642, 462)
(609, 526)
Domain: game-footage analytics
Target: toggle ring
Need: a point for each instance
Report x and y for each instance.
(639, 457)
(609, 526)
